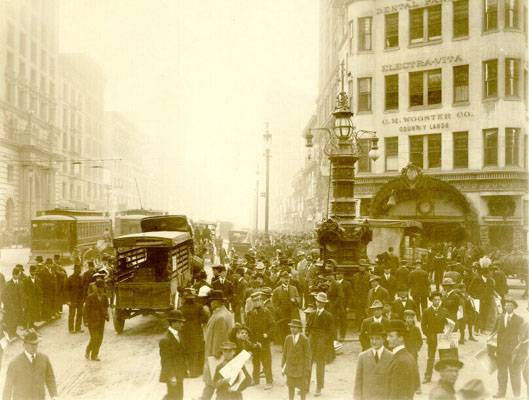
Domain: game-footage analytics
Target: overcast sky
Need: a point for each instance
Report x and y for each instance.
(201, 78)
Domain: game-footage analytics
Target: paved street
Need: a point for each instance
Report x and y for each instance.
(130, 364)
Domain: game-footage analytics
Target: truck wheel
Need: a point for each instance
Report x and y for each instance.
(119, 321)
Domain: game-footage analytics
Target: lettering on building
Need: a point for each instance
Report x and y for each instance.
(427, 62)
(408, 5)
(415, 123)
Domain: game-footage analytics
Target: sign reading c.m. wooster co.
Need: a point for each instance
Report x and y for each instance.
(408, 5)
(426, 62)
(425, 122)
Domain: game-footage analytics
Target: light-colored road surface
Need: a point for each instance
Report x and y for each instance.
(130, 364)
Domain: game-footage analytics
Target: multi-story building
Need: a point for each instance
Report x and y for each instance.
(444, 85)
(125, 142)
(81, 176)
(28, 111)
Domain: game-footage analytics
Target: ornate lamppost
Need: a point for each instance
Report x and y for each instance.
(341, 236)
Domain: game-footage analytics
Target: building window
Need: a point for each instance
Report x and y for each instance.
(364, 34)
(490, 146)
(434, 151)
(461, 83)
(425, 24)
(490, 15)
(392, 30)
(392, 92)
(425, 88)
(512, 77)
(416, 150)
(392, 153)
(460, 18)
(364, 94)
(425, 150)
(460, 149)
(490, 78)
(364, 162)
(512, 14)
(512, 143)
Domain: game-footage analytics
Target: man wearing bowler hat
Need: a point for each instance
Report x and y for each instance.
(297, 360)
(321, 333)
(377, 292)
(285, 300)
(30, 373)
(448, 368)
(508, 331)
(403, 373)
(222, 282)
(217, 332)
(376, 309)
(173, 357)
(372, 367)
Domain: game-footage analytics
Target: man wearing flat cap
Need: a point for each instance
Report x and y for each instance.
(372, 367)
(95, 315)
(30, 373)
(285, 300)
(448, 367)
(508, 331)
(174, 363)
(403, 373)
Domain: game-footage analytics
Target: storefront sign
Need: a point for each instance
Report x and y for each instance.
(427, 62)
(419, 123)
(408, 5)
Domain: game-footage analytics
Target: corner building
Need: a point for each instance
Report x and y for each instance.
(444, 85)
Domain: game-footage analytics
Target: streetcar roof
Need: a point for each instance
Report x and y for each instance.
(152, 239)
(131, 216)
(70, 218)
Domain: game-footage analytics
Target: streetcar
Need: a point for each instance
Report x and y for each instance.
(240, 242)
(150, 269)
(129, 221)
(76, 235)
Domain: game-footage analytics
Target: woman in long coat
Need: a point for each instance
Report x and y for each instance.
(193, 334)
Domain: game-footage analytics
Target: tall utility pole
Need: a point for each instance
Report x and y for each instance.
(256, 227)
(267, 139)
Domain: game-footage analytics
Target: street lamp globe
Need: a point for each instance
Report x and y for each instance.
(374, 153)
(343, 126)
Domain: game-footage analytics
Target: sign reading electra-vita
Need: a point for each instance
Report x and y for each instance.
(427, 62)
(413, 123)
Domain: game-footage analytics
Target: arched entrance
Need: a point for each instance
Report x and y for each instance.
(10, 214)
(445, 213)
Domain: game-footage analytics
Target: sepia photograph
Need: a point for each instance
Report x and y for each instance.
(278, 199)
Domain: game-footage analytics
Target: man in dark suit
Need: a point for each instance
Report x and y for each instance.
(174, 365)
(419, 284)
(376, 308)
(32, 297)
(75, 292)
(401, 275)
(320, 330)
(508, 331)
(391, 259)
(402, 303)
(340, 295)
(13, 300)
(297, 360)
(451, 299)
(95, 315)
(239, 288)
(388, 281)
(482, 288)
(285, 300)
(403, 373)
(377, 292)
(222, 282)
(29, 374)
(372, 367)
(49, 289)
(433, 322)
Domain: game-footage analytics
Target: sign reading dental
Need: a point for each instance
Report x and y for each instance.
(416, 123)
(424, 63)
(408, 5)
